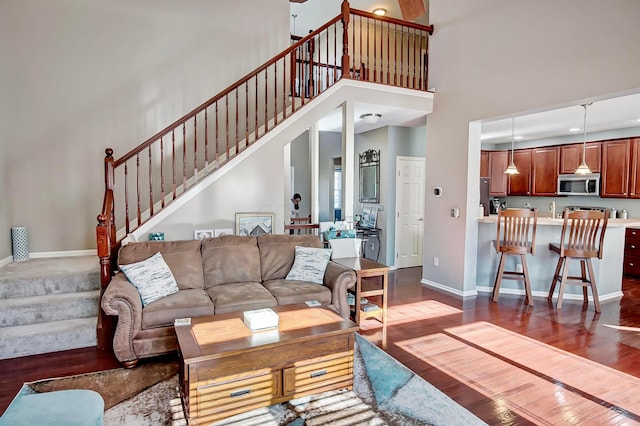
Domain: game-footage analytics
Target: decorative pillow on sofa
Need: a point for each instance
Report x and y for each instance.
(152, 277)
(309, 264)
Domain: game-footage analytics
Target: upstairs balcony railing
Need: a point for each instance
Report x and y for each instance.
(354, 45)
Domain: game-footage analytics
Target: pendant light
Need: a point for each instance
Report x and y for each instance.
(512, 169)
(583, 169)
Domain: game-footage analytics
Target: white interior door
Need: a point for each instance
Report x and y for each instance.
(410, 175)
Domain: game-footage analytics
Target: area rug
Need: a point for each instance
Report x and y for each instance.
(385, 393)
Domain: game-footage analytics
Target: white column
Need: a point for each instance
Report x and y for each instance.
(314, 162)
(348, 160)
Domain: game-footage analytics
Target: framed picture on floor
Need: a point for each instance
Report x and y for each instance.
(254, 224)
(224, 231)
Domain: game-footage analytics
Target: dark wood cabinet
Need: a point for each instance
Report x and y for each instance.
(615, 168)
(632, 252)
(545, 163)
(484, 164)
(634, 176)
(520, 184)
(497, 164)
(571, 157)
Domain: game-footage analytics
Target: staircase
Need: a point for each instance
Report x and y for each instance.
(48, 305)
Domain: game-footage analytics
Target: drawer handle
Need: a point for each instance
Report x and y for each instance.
(318, 373)
(633, 246)
(240, 392)
(630, 263)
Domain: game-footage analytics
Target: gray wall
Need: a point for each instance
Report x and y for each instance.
(496, 58)
(80, 76)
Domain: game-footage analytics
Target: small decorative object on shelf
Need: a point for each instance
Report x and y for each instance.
(156, 236)
(260, 319)
(369, 307)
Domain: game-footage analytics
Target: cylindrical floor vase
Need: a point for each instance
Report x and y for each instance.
(20, 240)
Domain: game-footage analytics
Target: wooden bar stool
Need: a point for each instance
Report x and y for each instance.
(582, 237)
(516, 236)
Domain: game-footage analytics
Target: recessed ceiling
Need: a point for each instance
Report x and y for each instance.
(607, 114)
(390, 116)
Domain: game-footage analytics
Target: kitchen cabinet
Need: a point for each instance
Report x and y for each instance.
(571, 157)
(632, 252)
(634, 177)
(520, 184)
(545, 163)
(497, 165)
(614, 178)
(484, 164)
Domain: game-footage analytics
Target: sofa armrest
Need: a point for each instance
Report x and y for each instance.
(122, 299)
(339, 278)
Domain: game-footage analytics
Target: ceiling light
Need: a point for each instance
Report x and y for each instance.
(371, 118)
(583, 169)
(511, 168)
(574, 129)
(380, 11)
(518, 138)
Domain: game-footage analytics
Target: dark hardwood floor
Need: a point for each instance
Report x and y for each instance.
(470, 348)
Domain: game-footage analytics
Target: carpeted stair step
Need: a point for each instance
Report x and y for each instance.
(39, 277)
(19, 311)
(47, 337)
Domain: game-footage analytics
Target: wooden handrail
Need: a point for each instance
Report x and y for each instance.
(368, 47)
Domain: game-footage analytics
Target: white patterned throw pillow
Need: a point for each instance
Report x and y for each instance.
(309, 264)
(152, 277)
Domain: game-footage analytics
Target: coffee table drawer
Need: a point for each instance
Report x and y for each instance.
(319, 375)
(227, 396)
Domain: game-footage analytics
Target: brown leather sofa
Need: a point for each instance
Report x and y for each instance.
(215, 275)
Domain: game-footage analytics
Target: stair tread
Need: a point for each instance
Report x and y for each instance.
(50, 298)
(39, 277)
(47, 337)
(45, 327)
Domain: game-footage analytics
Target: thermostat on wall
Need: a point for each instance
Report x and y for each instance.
(437, 191)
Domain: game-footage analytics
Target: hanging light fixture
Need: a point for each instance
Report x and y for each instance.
(583, 169)
(511, 168)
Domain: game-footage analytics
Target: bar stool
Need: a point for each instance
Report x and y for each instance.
(516, 236)
(582, 237)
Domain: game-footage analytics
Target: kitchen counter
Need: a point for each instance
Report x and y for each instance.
(542, 220)
(608, 270)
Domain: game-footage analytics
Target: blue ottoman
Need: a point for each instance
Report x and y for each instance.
(74, 407)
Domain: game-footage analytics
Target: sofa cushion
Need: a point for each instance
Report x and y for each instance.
(188, 303)
(182, 257)
(288, 292)
(235, 297)
(309, 264)
(152, 277)
(277, 253)
(230, 259)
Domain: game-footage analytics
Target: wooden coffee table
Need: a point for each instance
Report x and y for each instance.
(226, 369)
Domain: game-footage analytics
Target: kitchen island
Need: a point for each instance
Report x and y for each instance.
(608, 270)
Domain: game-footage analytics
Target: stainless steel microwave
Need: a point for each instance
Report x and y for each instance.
(575, 184)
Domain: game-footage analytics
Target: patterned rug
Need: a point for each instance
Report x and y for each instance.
(385, 393)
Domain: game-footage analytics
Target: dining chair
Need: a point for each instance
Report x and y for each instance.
(306, 228)
(301, 220)
(516, 236)
(582, 238)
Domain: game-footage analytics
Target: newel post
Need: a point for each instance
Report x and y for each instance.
(105, 235)
(346, 15)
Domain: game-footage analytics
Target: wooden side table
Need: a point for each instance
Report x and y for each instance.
(366, 269)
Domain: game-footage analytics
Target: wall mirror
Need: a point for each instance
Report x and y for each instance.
(370, 176)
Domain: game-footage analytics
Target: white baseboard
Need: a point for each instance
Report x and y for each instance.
(69, 253)
(448, 289)
(48, 254)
